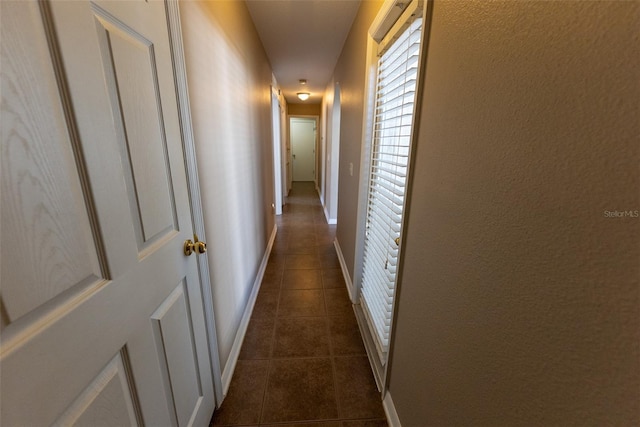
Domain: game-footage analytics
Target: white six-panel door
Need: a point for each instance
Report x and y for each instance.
(303, 144)
(101, 312)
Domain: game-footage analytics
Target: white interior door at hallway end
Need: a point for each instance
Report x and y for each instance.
(303, 144)
(101, 312)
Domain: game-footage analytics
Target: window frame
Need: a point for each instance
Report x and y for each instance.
(390, 22)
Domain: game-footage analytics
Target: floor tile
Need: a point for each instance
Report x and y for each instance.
(338, 302)
(301, 337)
(327, 240)
(300, 221)
(356, 388)
(329, 260)
(303, 237)
(272, 277)
(325, 249)
(300, 390)
(279, 246)
(366, 423)
(345, 336)
(302, 262)
(325, 229)
(333, 278)
(307, 302)
(243, 403)
(276, 260)
(302, 279)
(301, 250)
(322, 424)
(258, 341)
(297, 230)
(266, 303)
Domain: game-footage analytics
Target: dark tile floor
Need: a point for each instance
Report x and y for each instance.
(302, 363)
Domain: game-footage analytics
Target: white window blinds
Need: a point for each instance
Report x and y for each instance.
(393, 119)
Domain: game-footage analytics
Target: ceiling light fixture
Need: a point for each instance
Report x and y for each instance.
(303, 95)
(303, 81)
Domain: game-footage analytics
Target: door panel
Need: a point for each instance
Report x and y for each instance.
(103, 319)
(129, 62)
(107, 401)
(49, 247)
(303, 141)
(174, 338)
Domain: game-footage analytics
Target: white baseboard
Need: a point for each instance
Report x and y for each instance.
(330, 221)
(230, 366)
(345, 270)
(390, 411)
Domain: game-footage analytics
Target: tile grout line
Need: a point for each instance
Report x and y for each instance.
(331, 349)
(272, 347)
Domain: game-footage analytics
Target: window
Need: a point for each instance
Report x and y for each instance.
(398, 59)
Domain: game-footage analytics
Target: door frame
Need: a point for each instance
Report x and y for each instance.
(276, 135)
(193, 185)
(333, 155)
(315, 147)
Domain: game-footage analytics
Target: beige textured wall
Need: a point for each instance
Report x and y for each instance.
(229, 87)
(519, 302)
(304, 109)
(350, 74)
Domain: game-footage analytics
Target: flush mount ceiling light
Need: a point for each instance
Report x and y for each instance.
(303, 95)
(303, 81)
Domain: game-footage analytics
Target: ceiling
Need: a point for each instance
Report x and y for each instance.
(303, 40)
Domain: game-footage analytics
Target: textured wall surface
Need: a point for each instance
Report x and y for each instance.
(519, 301)
(229, 87)
(304, 109)
(350, 74)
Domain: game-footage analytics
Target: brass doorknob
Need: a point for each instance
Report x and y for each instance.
(200, 247)
(197, 246)
(188, 247)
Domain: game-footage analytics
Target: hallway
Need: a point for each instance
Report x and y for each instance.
(302, 359)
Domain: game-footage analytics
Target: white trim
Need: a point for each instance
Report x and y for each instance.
(333, 156)
(193, 184)
(276, 136)
(331, 221)
(379, 28)
(365, 157)
(412, 9)
(386, 17)
(345, 270)
(323, 149)
(230, 367)
(374, 361)
(390, 411)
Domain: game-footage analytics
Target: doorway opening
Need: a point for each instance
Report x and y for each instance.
(303, 137)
